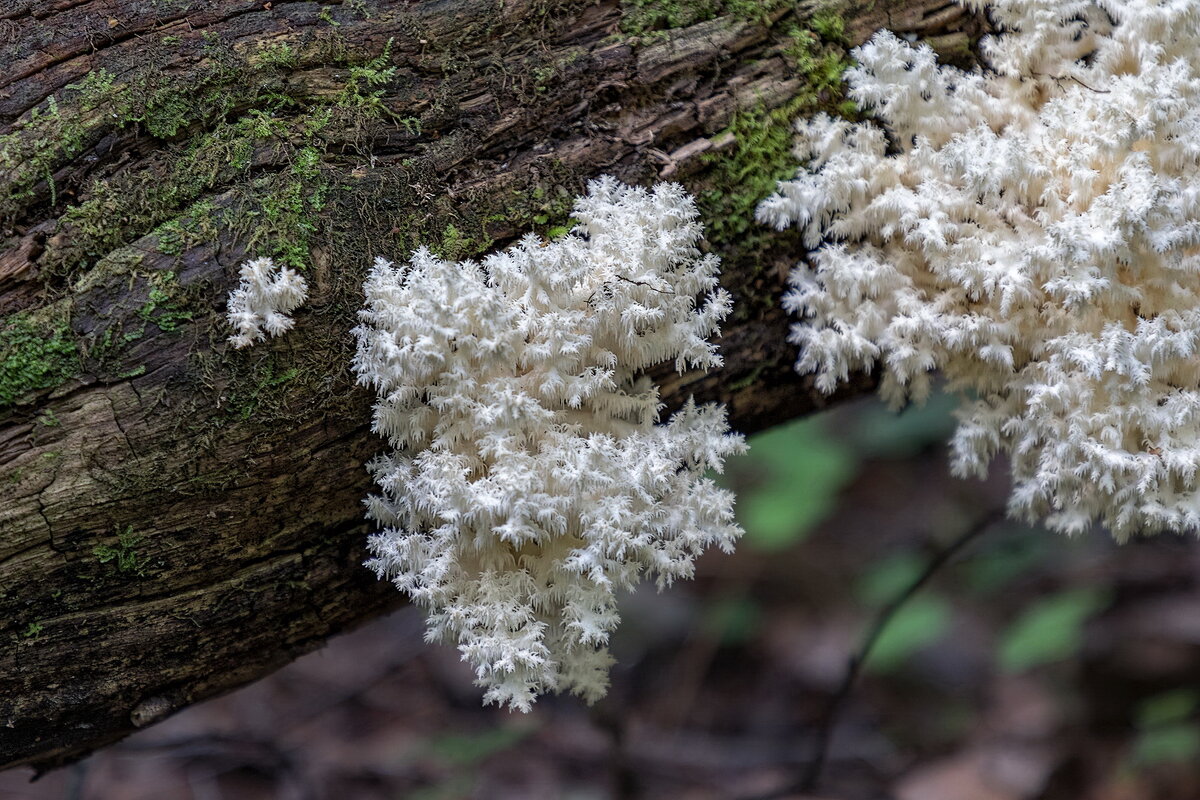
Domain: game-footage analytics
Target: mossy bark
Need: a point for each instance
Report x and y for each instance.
(179, 518)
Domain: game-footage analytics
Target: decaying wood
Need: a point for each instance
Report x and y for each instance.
(177, 518)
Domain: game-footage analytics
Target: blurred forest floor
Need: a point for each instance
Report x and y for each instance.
(1031, 666)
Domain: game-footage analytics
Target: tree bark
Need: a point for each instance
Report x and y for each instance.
(179, 518)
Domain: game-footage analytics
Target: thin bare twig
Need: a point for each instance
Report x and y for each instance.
(811, 777)
(1061, 78)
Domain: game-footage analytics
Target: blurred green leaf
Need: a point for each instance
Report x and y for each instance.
(1050, 630)
(1015, 552)
(1171, 706)
(881, 433)
(732, 619)
(464, 749)
(1175, 743)
(455, 788)
(774, 519)
(799, 471)
(885, 579)
(918, 623)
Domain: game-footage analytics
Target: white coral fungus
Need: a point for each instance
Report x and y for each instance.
(529, 481)
(263, 300)
(1031, 231)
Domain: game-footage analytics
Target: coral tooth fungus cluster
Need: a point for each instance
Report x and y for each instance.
(1031, 231)
(528, 480)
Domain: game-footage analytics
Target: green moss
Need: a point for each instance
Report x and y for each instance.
(121, 209)
(759, 157)
(830, 26)
(123, 556)
(549, 72)
(165, 306)
(528, 205)
(277, 213)
(364, 88)
(94, 90)
(546, 210)
(196, 225)
(143, 202)
(166, 112)
(35, 353)
(358, 109)
(273, 163)
(454, 246)
(261, 389)
(277, 55)
(757, 151)
(642, 17)
(168, 105)
(819, 58)
(163, 104)
(758, 140)
(761, 152)
(139, 295)
(140, 369)
(758, 11)
(280, 216)
(34, 148)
